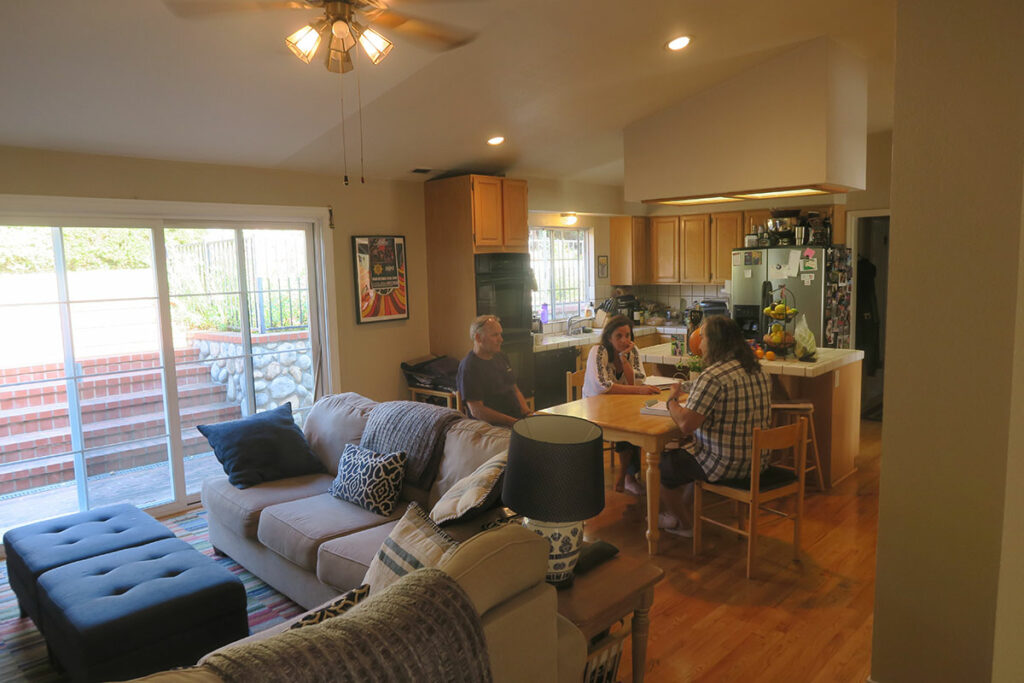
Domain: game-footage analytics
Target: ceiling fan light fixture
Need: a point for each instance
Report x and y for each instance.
(496, 140)
(374, 44)
(343, 39)
(338, 59)
(304, 42)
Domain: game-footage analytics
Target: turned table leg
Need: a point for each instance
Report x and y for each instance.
(641, 625)
(653, 459)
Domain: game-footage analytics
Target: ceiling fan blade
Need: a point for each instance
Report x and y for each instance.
(188, 9)
(431, 34)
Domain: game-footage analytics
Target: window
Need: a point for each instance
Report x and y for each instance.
(118, 341)
(560, 261)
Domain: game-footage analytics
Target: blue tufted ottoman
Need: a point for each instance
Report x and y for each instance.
(135, 611)
(36, 548)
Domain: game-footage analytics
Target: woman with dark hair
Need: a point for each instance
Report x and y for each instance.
(613, 367)
(729, 398)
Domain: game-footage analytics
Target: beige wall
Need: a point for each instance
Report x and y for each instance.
(370, 354)
(945, 610)
(875, 194)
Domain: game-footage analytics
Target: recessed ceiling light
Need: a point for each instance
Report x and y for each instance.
(678, 43)
(496, 140)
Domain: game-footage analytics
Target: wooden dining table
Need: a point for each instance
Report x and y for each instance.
(619, 416)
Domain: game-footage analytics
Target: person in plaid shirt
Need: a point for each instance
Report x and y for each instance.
(727, 401)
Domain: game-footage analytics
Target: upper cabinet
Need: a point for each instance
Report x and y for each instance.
(752, 219)
(515, 228)
(696, 256)
(627, 263)
(664, 249)
(726, 235)
(488, 216)
(492, 210)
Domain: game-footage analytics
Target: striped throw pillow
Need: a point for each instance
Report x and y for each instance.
(415, 542)
(473, 494)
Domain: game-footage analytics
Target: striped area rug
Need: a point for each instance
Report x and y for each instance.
(23, 650)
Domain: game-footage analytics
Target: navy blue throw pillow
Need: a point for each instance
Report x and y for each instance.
(263, 447)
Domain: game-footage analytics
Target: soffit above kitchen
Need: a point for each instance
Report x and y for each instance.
(796, 123)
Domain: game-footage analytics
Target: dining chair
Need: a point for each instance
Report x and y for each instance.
(760, 488)
(574, 392)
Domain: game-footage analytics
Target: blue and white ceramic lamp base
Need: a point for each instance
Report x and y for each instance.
(564, 541)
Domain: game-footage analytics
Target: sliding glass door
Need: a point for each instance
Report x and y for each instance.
(117, 342)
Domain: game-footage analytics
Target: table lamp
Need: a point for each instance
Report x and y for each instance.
(555, 480)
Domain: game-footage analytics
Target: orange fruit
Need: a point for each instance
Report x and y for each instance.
(759, 353)
(770, 355)
(695, 339)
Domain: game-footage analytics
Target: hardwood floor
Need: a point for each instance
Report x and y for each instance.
(793, 622)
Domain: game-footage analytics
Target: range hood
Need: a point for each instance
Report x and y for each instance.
(795, 125)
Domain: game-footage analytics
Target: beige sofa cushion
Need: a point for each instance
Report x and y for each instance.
(469, 444)
(342, 562)
(295, 530)
(334, 421)
(239, 509)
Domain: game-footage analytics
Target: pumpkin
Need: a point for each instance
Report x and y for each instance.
(695, 340)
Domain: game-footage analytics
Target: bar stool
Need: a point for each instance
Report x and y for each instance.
(790, 412)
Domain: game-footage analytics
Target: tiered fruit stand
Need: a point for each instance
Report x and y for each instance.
(779, 317)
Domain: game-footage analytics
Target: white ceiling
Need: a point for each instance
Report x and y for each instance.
(558, 78)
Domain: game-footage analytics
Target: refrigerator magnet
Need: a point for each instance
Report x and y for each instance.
(809, 264)
(807, 278)
(808, 252)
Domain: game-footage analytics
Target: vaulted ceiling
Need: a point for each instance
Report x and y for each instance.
(558, 78)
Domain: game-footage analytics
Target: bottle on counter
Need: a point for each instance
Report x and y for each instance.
(589, 313)
(544, 316)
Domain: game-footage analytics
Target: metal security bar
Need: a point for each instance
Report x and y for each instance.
(559, 260)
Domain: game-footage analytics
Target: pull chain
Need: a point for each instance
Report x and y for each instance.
(362, 165)
(344, 140)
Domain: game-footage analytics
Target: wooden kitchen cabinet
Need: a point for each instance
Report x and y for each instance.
(627, 262)
(466, 215)
(515, 227)
(726, 235)
(492, 210)
(695, 248)
(665, 250)
(752, 219)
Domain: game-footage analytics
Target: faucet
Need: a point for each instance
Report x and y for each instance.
(573, 319)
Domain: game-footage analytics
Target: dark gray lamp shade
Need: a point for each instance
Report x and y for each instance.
(555, 470)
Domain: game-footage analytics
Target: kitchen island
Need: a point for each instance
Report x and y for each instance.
(831, 384)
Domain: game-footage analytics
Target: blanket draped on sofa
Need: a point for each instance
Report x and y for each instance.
(423, 628)
(416, 428)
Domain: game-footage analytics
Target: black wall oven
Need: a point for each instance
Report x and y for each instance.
(504, 287)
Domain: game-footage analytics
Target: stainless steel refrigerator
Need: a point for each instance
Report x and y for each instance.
(818, 278)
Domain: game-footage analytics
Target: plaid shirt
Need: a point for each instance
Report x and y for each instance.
(732, 402)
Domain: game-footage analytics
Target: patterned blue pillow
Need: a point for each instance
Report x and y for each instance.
(370, 480)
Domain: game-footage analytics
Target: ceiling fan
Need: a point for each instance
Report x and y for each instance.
(344, 24)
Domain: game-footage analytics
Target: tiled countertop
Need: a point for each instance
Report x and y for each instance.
(828, 360)
(549, 342)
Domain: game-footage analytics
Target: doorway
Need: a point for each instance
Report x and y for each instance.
(872, 246)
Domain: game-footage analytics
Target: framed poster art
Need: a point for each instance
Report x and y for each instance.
(382, 290)
(602, 267)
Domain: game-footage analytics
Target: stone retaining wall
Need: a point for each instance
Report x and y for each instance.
(282, 367)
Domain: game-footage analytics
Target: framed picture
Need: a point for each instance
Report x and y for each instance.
(382, 291)
(602, 266)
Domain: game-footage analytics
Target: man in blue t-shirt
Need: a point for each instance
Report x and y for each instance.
(486, 381)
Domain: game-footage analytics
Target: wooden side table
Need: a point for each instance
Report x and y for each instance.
(451, 398)
(610, 592)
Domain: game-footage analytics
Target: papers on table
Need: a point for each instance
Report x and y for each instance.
(655, 407)
(660, 382)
